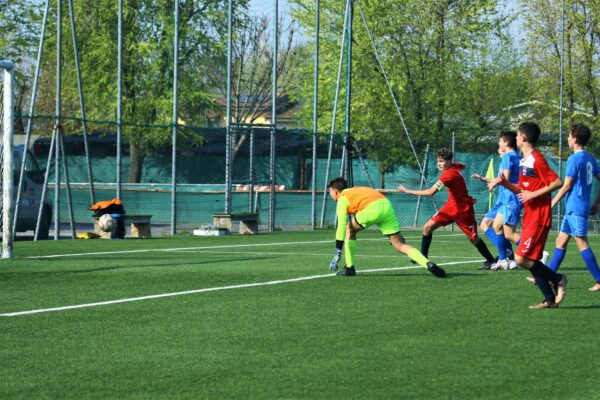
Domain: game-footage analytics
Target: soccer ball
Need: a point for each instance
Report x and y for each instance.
(107, 223)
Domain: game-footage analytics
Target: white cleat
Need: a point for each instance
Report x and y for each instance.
(512, 264)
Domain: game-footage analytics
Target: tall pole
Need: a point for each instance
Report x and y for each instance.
(334, 113)
(346, 157)
(273, 117)
(228, 166)
(81, 102)
(31, 109)
(57, 112)
(174, 121)
(119, 95)
(560, 112)
(313, 214)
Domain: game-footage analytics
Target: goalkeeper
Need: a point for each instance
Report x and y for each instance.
(367, 207)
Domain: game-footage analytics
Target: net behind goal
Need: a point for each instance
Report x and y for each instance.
(6, 155)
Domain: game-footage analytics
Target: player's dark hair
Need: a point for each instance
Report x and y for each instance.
(509, 137)
(444, 154)
(338, 183)
(581, 133)
(531, 130)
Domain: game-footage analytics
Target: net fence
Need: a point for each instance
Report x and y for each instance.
(200, 176)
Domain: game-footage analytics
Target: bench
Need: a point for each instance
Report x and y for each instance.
(140, 226)
(248, 222)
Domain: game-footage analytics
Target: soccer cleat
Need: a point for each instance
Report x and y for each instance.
(595, 288)
(512, 264)
(544, 258)
(434, 269)
(486, 265)
(544, 304)
(561, 289)
(502, 264)
(347, 272)
(531, 280)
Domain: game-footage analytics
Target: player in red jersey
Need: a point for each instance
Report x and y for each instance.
(458, 208)
(536, 181)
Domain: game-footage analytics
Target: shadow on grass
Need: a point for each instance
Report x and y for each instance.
(449, 275)
(175, 264)
(590, 307)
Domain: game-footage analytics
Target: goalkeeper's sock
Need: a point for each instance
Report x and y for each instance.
(418, 257)
(349, 250)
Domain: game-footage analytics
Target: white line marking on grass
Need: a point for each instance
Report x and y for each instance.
(206, 290)
(229, 246)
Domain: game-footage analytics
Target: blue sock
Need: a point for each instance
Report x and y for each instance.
(590, 262)
(510, 254)
(557, 258)
(501, 245)
(491, 234)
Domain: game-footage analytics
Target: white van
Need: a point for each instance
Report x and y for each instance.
(31, 193)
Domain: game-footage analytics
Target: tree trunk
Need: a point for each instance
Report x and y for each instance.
(136, 162)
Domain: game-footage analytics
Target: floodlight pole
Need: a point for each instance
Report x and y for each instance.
(560, 112)
(119, 95)
(228, 171)
(274, 117)
(57, 131)
(31, 109)
(174, 120)
(346, 160)
(334, 114)
(313, 214)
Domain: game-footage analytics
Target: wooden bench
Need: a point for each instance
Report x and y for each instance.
(140, 226)
(248, 222)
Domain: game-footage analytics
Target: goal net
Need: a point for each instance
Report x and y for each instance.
(6, 155)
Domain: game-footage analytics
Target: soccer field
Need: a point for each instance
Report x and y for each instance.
(262, 317)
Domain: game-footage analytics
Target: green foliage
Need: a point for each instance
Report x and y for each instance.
(447, 61)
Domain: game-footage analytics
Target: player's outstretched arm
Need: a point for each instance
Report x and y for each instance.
(426, 192)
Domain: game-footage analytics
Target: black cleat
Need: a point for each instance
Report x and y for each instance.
(347, 272)
(488, 264)
(434, 269)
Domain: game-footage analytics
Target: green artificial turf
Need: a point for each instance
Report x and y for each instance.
(396, 333)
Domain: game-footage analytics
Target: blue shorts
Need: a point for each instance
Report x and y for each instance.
(575, 225)
(511, 213)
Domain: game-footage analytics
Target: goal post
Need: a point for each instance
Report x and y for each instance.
(7, 131)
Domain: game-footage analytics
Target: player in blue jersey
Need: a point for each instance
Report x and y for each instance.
(500, 223)
(579, 177)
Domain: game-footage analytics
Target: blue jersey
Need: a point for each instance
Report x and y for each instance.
(510, 161)
(582, 168)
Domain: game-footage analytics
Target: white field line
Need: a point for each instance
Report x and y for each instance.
(229, 246)
(206, 290)
(310, 254)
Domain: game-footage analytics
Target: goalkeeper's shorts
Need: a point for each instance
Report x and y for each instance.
(380, 213)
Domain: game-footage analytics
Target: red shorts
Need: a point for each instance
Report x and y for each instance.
(465, 220)
(533, 240)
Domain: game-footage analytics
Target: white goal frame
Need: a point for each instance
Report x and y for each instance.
(7, 70)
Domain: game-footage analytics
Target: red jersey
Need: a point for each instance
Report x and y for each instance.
(534, 174)
(458, 196)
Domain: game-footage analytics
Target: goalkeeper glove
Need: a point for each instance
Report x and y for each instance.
(336, 259)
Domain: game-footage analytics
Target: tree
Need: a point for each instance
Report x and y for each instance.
(148, 29)
(582, 52)
(252, 66)
(428, 49)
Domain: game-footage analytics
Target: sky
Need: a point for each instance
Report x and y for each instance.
(262, 7)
